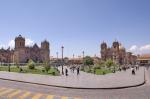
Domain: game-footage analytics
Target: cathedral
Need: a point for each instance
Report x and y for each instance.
(117, 53)
(22, 53)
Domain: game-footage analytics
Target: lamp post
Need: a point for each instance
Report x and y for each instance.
(62, 49)
(0, 62)
(57, 60)
(83, 54)
(8, 64)
(73, 60)
(57, 55)
(83, 59)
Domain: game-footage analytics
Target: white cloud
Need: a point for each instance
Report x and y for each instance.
(29, 42)
(3, 46)
(140, 50)
(145, 47)
(11, 44)
(133, 48)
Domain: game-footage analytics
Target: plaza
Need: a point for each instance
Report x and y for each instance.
(74, 49)
(15, 85)
(123, 79)
(31, 66)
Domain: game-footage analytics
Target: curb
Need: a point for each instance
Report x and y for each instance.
(123, 87)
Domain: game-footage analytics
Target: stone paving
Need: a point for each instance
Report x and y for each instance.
(84, 80)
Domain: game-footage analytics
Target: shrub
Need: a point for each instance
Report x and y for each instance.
(89, 71)
(47, 66)
(104, 73)
(17, 66)
(43, 70)
(82, 69)
(97, 67)
(53, 73)
(31, 64)
(88, 60)
(109, 63)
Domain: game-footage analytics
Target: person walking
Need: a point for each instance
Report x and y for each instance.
(73, 69)
(66, 72)
(133, 70)
(94, 71)
(78, 70)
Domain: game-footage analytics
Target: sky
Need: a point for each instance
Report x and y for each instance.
(78, 25)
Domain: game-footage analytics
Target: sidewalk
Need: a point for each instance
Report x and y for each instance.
(84, 80)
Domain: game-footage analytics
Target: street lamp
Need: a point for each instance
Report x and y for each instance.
(62, 60)
(57, 55)
(83, 59)
(57, 64)
(83, 54)
(73, 59)
(8, 64)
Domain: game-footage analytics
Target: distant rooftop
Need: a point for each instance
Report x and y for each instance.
(144, 57)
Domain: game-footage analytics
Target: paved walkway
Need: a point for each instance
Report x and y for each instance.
(84, 80)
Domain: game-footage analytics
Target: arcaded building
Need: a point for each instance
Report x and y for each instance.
(117, 53)
(144, 59)
(22, 53)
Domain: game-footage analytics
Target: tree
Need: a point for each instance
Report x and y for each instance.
(99, 65)
(31, 64)
(47, 66)
(88, 60)
(109, 63)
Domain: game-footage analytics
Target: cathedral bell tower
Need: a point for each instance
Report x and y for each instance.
(19, 51)
(103, 51)
(116, 45)
(45, 51)
(19, 42)
(115, 53)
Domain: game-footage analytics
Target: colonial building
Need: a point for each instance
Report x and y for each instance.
(143, 59)
(6, 55)
(117, 53)
(22, 53)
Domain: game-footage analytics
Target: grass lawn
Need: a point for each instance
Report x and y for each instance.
(101, 71)
(37, 70)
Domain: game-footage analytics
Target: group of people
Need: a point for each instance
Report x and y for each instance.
(72, 70)
(133, 68)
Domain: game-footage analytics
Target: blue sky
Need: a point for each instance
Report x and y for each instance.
(77, 24)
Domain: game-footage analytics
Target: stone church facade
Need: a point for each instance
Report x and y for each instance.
(117, 53)
(22, 53)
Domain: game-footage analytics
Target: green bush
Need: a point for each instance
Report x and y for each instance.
(88, 60)
(43, 70)
(47, 66)
(17, 66)
(97, 67)
(82, 69)
(31, 64)
(53, 73)
(20, 70)
(104, 73)
(89, 71)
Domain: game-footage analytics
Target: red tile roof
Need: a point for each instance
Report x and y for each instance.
(144, 57)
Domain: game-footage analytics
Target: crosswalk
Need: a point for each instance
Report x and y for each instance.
(9, 93)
